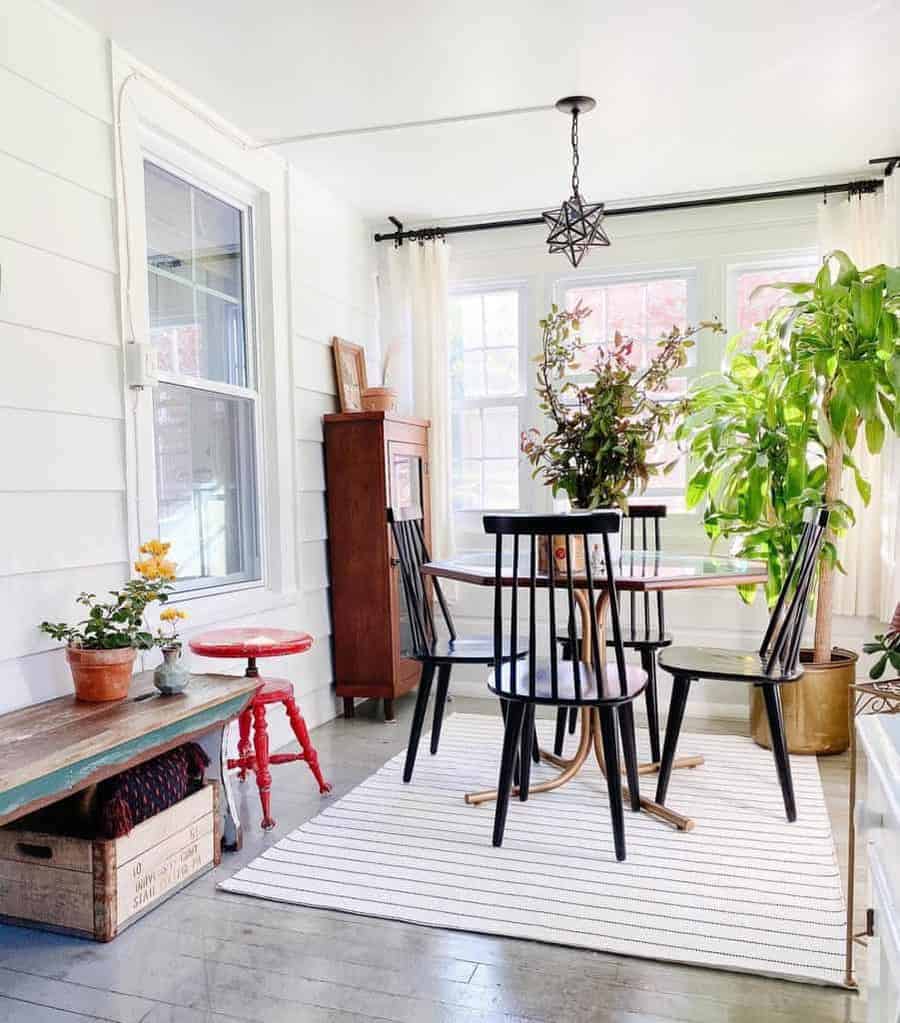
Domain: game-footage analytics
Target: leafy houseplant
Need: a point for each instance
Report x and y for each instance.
(101, 648)
(888, 646)
(599, 447)
(773, 434)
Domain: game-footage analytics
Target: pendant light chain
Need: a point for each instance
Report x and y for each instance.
(575, 158)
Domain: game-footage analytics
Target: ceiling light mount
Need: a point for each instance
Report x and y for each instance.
(575, 226)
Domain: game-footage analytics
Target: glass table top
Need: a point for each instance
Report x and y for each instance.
(634, 570)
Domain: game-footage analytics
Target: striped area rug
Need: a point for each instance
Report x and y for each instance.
(743, 891)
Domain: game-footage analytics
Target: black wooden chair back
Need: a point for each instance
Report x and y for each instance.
(645, 619)
(409, 538)
(780, 648)
(575, 531)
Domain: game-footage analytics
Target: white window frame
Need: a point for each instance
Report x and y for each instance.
(785, 260)
(467, 522)
(163, 125)
(672, 497)
(243, 199)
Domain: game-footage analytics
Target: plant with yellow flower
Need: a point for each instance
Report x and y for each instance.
(168, 630)
(119, 622)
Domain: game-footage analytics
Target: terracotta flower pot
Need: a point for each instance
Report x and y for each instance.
(379, 399)
(101, 675)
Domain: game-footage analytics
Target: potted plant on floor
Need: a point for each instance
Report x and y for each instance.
(102, 647)
(774, 434)
(603, 429)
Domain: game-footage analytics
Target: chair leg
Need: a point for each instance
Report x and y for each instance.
(772, 695)
(559, 738)
(573, 719)
(503, 708)
(440, 700)
(515, 711)
(681, 686)
(263, 774)
(613, 777)
(629, 753)
(648, 663)
(298, 726)
(418, 718)
(245, 746)
(525, 757)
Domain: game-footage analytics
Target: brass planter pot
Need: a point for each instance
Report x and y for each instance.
(816, 709)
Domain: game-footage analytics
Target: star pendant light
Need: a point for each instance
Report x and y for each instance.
(576, 226)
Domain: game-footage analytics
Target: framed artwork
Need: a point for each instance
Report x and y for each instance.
(350, 370)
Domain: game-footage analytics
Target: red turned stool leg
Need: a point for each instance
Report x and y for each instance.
(263, 775)
(245, 746)
(309, 753)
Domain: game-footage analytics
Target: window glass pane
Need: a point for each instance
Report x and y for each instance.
(473, 374)
(501, 319)
(173, 327)
(625, 310)
(501, 432)
(221, 339)
(217, 244)
(502, 370)
(467, 486)
(205, 478)
(470, 321)
(751, 311)
(666, 306)
(471, 434)
(168, 201)
(501, 484)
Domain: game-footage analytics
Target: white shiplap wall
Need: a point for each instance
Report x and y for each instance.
(64, 501)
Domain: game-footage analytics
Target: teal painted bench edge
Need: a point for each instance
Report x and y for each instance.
(66, 779)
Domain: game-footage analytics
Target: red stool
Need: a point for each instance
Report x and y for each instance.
(254, 756)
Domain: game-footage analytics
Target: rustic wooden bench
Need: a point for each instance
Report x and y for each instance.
(51, 750)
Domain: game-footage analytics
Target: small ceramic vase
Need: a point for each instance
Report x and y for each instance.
(171, 676)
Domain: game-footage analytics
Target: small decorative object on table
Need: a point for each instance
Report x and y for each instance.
(350, 371)
(383, 398)
(171, 677)
(101, 648)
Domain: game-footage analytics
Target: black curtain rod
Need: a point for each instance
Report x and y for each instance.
(421, 234)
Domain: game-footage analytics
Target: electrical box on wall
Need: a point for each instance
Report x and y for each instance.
(141, 368)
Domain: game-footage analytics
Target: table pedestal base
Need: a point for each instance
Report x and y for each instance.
(590, 737)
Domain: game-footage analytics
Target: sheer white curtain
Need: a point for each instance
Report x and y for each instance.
(867, 227)
(414, 299)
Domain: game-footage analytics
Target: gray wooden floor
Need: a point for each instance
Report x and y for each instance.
(208, 957)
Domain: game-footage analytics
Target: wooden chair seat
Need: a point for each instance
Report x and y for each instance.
(725, 665)
(610, 691)
(466, 650)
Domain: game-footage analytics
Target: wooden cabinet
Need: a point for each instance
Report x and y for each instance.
(372, 460)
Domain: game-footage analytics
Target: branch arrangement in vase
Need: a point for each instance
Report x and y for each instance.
(599, 447)
(773, 434)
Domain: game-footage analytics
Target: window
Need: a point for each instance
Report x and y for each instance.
(205, 411)
(746, 310)
(642, 307)
(487, 389)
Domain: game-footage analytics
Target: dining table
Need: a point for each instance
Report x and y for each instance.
(637, 571)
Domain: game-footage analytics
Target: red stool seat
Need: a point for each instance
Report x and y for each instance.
(254, 756)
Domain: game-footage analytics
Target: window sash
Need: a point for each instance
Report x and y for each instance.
(250, 539)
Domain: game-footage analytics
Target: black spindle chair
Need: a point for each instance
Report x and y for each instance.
(775, 663)
(435, 652)
(527, 683)
(644, 621)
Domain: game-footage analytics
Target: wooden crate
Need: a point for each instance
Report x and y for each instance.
(96, 888)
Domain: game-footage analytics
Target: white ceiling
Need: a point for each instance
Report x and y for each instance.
(693, 96)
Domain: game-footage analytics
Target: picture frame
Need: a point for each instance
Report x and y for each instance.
(350, 372)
